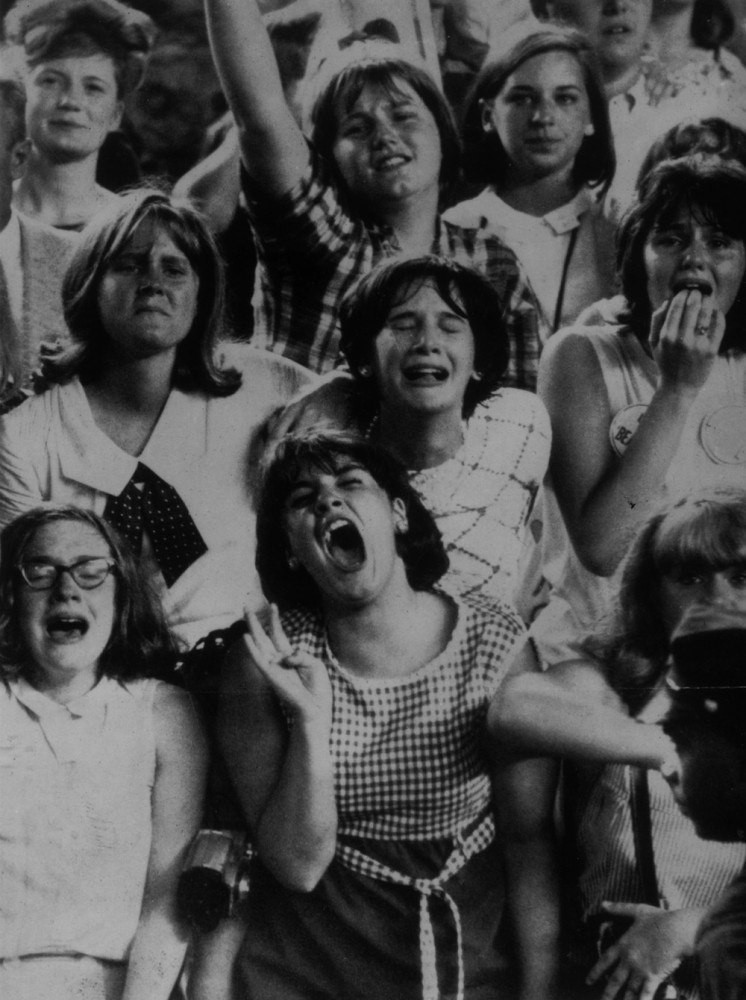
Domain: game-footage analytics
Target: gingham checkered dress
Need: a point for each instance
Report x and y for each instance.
(408, 757)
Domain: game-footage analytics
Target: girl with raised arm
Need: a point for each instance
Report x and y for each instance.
(383, 150)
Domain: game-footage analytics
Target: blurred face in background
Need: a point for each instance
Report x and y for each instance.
(72, 105)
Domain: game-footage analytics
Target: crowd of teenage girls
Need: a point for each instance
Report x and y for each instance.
(355, 486)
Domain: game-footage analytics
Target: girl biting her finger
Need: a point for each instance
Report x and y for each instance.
(644, 412)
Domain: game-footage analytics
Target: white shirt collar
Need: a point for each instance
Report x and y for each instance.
(560, 220)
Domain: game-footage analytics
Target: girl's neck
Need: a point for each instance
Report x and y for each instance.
(127, 400)
(63, 689)
(392, 636)
(540, 196)
(413, 220)
(60, 194)
(670, 35)
(420, 441)
(620, 81)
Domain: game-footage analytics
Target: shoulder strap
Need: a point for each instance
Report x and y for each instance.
(643, 834)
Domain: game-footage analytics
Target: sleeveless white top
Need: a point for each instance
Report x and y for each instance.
(75, 823)
(580, 601)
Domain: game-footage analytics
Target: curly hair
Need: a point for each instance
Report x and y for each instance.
(105, 237)
(420, 547)
(140, 644)
(53, 29)
(485, 159)
(706, 530)
(364, 309)
(714, 193)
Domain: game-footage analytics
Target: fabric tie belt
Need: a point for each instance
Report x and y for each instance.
(470, 842)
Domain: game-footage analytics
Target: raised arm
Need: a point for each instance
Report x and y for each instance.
(181, 762)
(273, 149)
(284, 777)
(603, 498)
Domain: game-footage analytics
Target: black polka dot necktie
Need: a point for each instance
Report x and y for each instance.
(147, 503)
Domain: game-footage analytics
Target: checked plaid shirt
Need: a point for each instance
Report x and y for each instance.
(311, 250)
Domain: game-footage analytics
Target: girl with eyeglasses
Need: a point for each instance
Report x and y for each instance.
(101, 768)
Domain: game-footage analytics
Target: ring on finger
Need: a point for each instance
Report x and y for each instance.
(702, 330)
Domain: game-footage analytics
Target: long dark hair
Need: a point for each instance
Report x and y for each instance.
(485, 159)
(420, 546)
(713, 192)
(364, 309)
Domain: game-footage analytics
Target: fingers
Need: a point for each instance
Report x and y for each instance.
(280, 640)
(609, 958)
(617, 983)
(649, 988)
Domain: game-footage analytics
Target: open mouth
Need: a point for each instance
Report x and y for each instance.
(615, 30)
(66, 628)
(425, 374)
(344, 545)
(392, 162)
(693, 285)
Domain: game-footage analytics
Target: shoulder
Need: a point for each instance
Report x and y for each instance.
(572, 345)
(176, 724)
(260, 367)
(492, 620)
(473, 213)
(33, 415)
(514, 431)
(515, 406)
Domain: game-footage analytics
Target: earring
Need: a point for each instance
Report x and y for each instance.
(365, 371)
(293, 563)
(477, 376)
(401, 525)
(590, 129)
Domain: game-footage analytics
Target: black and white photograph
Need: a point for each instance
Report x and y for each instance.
(373, 499)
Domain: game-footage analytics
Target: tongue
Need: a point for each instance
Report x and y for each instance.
(346, 548)
(66, 628)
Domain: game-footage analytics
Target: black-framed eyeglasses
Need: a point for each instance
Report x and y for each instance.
(39, 574)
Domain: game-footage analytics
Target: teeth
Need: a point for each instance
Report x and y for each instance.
(413, 374)
(61, 623)
(391, 161)
(329, 530)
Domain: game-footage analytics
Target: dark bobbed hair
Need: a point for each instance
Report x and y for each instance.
(706, 530)
(712, 191)
(364, 309)
(102, 239)
(702, 137)
(13, 96)
(140, 644)
(341, 80)
(53, 29)
(712, 23)
(420, 547)
(485, 158)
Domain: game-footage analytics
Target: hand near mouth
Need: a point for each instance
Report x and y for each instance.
(300, 681)
(685, 336)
